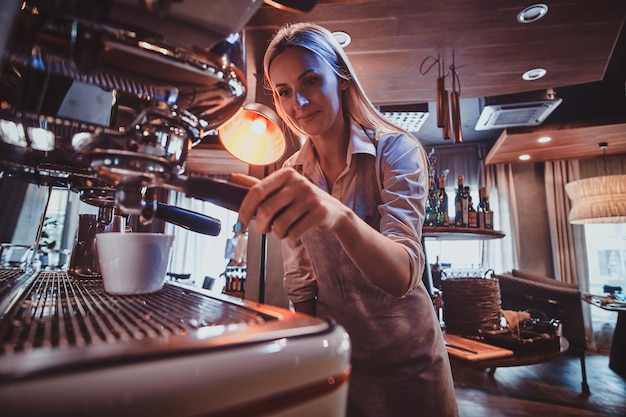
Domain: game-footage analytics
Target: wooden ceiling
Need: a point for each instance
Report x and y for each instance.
(391, 39)
(395, 41)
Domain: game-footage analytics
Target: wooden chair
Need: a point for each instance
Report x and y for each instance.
(557, 300)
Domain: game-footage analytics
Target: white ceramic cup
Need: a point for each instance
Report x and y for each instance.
(133, 263)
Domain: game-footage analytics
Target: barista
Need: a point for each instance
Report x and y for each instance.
(349, 209)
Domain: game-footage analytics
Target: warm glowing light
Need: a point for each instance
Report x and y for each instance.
(259, 126)
(598, 199)
(524, 157)
(254, 135)
(544, 139)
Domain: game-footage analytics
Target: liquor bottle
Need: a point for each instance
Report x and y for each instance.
(472, 215)
(458, 203)
(442, 214)
(432, 203)
(488, 224)
(465, 197)
(481, 207)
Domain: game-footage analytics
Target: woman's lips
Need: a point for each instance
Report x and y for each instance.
(307, 117)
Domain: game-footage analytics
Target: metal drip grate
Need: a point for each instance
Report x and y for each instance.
(59, 311)
(7, 278)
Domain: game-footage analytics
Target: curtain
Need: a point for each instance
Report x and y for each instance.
(568, 241)
(502, 255)
(458, 160)
(197, 254)
(557, 174)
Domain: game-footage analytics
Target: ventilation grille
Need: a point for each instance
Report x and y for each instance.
(518, 114)
(411, 121)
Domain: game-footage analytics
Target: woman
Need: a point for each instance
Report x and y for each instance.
(349, 208)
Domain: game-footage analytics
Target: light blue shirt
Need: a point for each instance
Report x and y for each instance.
(402, 178)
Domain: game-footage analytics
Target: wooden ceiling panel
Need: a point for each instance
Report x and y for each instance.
(391, 38)
(568, 142)
(574, 39)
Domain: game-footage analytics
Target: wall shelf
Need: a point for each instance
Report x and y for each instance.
(460, 233)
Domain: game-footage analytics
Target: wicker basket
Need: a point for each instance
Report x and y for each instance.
(471, 305)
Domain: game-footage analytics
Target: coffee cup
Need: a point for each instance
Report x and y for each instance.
(133, 263)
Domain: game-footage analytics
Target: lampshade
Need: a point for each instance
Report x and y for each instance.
(598, 199)
(254, 135)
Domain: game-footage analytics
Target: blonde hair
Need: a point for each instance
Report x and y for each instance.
(322, 43)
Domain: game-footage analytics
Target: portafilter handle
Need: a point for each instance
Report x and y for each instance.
(190, 220)
(227, 193)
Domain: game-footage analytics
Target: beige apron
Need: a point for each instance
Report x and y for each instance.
(399, 361)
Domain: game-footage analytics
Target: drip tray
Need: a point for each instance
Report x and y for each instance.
(58, 323)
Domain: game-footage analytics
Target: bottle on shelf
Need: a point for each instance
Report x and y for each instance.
(472, 215)
(465, 214)
(443, 218)
(485, 215)
(432, 203)
(481, 207)
(458, 203)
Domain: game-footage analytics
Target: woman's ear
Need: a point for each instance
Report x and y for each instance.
(343, 84)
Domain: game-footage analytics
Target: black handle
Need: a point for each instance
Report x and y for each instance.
(223, 193)
(190, 220)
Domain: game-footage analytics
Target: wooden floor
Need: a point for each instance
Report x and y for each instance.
(550, 389)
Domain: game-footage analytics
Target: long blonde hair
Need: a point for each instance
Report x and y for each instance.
(322, 43)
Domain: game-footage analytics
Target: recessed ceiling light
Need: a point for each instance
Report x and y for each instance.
(534, 74)
(532, 13)
(343, 38)
(524, 157)
(544, 139)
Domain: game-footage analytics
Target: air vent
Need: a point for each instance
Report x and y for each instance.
(529, 109)
(410, 117)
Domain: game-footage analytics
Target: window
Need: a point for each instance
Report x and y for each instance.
(606, 259)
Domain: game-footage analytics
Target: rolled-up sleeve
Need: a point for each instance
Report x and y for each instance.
(403, 171)
(299, 277)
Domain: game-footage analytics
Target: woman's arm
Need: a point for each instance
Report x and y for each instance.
(288, 204)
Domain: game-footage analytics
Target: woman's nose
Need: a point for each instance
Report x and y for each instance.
(301, 100)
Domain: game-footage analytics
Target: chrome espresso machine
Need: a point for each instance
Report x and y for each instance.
(106, 99)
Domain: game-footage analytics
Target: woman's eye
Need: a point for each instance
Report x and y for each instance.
(310, 81)
(283, 92)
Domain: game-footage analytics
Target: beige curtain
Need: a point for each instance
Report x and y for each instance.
(569, 251)
(557, 174)
(502, 255)
(194, 253)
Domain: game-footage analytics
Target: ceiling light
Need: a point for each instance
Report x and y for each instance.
(343, 38)
(532, 13)
(598, 199)
(534, 74)
(544, 139)
(524, 157)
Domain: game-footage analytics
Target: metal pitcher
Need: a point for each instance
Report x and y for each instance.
(84, 258)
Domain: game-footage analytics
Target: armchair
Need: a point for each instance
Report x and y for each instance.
(557, 300)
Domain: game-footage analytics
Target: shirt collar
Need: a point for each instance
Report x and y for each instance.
(359, 143)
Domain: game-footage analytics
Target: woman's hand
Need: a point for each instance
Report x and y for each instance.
(288, 204)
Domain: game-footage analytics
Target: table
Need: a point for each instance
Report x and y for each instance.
(523, 359)
(617, 357)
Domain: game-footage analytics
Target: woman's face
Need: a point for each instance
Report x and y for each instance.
(308, 90)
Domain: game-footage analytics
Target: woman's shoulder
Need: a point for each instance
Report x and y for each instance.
(397, 140)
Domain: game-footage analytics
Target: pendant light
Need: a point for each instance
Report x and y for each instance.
(598, 199)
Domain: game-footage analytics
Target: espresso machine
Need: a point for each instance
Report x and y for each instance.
(106, 99)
